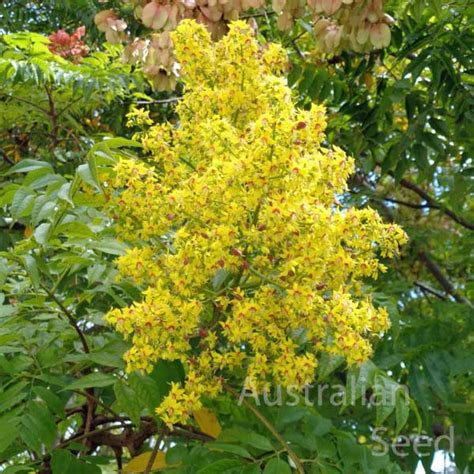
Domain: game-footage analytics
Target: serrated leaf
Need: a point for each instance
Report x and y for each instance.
(8, 436)
(38, 427)
(221, 467)
(277, 466)
(128, 401)
(32, 269)
(111, 247)
(247, 437)
(21, 200)
(26, 165)
(64, 462)
(41, 233)
(95, 379)
(402, 409)
(385, 390)
(229, 448)
(75, 229)
(55, 404)
(12, 395)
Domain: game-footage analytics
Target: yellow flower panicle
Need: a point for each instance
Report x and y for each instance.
(250, 265)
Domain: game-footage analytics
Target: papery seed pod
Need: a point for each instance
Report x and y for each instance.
(380, 35)
(164, 81)
(137, 12)
(320, 25)
(134, 52)
(155, 15)
(278, 5)
(253, 26)
(377, 7)
(112, 26)
(359, 25)
(164, 40)
(247, 4)
(230, 6)
(212, 14)
(362, 34)
(115, 33)
(151, 70)
(230, 15)
(285, 21)
(318, 5)
(102, 18)
(173, 17)
(372, 16)
(332, 38)
(329, 7)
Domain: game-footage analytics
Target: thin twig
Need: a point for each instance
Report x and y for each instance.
(265, 13)
(86, 435)
(191, 434)
(53, 115)
(103, 405)
(89, 415)
(430, 265)
(271, 428)
(25, 101)
(435, 204)
(66, 107)
(427, 289)
(69, 317)
(442, 279)
(297, 49)
(158, 101)
(154, 453)
(6, 158)
(406, 203)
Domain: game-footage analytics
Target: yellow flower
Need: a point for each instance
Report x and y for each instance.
(251, 267)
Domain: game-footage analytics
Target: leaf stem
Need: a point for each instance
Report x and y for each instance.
(264, 420)
(69, 317)
(154, 453)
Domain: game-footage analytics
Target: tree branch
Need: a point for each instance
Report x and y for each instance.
(406, 203)
(441, 278)
(435, 204)
(190, 433)
(159, 101)
(5, 157)
(265, 13)
(154, 453)
(427, 289)
(431, 266)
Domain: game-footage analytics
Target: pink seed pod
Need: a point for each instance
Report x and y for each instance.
(155, 15)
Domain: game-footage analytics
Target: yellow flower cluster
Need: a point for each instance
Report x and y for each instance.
(252, 268)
